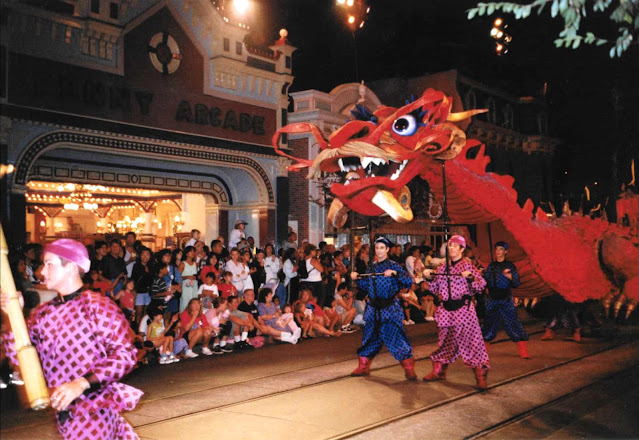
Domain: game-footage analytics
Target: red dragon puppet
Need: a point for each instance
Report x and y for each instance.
(379, 153)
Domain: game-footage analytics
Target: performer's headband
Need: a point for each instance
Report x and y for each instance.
(502, 244)
(383, 240)
(72, 250)
(461, 241)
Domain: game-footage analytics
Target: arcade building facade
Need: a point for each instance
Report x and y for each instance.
(151, 116)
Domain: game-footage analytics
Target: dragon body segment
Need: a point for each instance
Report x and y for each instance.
(380, 152)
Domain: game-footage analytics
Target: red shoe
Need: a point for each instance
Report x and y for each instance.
(522, 346)
(364, 367)
(480, 377)
(549, 335)
(576, 336)
(438, 373)
(409, 368)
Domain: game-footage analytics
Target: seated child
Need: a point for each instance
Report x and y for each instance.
(226, 287)
(218, 317)
(427, 300)
(126, 299)
(287, 320)
(102, 286)
(333, 318)
(411, 306)
(208, 292)
(155, 334)
(303, 319)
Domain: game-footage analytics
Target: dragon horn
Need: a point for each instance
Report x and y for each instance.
(456, 117)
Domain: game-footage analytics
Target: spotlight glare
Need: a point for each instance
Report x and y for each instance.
(351, 19)
(341, 2)
(498, 22)
(500, 34)
(241, 6)
(493, 32)
(349, 2)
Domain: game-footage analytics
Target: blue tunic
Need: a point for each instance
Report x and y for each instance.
(384, 325)
(499, 304)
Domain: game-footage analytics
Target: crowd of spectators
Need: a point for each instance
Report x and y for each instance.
(212, 299)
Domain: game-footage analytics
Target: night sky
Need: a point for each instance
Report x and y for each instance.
(594, 100)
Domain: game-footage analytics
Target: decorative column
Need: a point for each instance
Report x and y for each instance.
(282, 200)
(147, 233)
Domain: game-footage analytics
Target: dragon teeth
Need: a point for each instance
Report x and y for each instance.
(366, 161)
(396, 174)
(341, 165)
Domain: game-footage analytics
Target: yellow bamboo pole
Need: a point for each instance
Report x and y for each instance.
(30, 368)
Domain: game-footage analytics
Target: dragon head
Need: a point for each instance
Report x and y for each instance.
(378, 153)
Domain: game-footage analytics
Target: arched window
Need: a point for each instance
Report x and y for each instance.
(470, 100)
(492, 110)
(509, 116)
(542, 123)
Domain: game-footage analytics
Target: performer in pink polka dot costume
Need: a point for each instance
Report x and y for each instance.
(83, 342)
(459, 330)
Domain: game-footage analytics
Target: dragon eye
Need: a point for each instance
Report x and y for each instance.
(405, 126)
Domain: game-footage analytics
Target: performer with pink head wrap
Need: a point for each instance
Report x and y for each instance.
(459, 332)
(84, 345)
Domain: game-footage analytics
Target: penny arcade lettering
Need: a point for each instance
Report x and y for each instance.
(113, 97)
(216, 117)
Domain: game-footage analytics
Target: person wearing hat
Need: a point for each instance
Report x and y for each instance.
(383, 314)
(237, 234)
(501, 275)
(455, 283)
(84, 344)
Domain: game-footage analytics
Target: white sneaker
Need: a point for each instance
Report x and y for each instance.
(190, 354)
(164, 360)
(405, 322)
(430, 318)
(172, 358)
(411, 322)
(298, 333)
(207, 351)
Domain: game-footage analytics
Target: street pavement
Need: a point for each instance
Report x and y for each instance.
(567, 390)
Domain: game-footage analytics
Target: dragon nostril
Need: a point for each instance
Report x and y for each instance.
(360, 134)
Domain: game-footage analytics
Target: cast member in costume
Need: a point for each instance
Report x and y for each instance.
(500, 277)
(383, 314)
(83, 342)
(459, 331)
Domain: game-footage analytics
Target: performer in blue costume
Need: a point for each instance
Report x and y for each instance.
(501, 275)
(383, 314)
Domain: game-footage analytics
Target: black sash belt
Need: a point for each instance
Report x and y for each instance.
(455, 304)
(381, 303)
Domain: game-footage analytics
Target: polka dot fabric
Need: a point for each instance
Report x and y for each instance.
(459, 330)
(502, 310)
(86, 335)
(391, 332)
(385, 326)
(385, 287)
